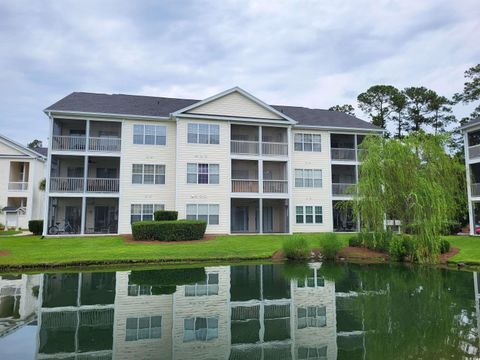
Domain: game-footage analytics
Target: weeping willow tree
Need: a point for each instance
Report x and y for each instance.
(412, 180)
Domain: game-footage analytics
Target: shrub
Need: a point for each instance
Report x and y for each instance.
(444, 246)
(355, 241)
(165, 215)
(2, 226)
(296, 248)
(169, 230)
(330, 245)
(35, 227)
(402, 247)
(376, 241)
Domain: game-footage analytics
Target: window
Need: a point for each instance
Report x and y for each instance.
(312, 316)
(149, 134)
(139, 290)
(312, 280)
(309, 214)
(308, 178)
(203, 134)
(313, 353)
(148, 174)
(148, 327)
(144, 212)
(207, 287)
(203, 173)
(308, 142)
(206, 212)
(200, 329)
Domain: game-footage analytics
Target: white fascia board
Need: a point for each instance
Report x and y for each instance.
(105, 115)
(232, 118)
(469, 127)
(339, 128)
(240, 91)
(22, 148)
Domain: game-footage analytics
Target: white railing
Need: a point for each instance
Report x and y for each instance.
(66, 184)
(345, 154)
(275, 148)
(341, 188)
(71, 143)
(244, 147)
(476, 189)
(275, 186)
(112, 144)
(474, 151)
(102, 185)
(247, 185)
(18, 186)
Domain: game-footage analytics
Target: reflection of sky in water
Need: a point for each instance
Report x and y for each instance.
(19, 345)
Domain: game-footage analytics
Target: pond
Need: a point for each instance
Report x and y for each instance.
(281, 311)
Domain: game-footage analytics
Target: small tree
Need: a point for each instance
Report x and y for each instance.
(412, 180)
(345, 108)
(376, 102)
(35, 144)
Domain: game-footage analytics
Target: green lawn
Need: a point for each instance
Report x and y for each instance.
(31, 250)
(469, 249)
(9, 232)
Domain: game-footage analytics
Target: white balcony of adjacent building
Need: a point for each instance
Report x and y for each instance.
(245, 177)
(68, 175)
(473, 139)
(72, 215)
(259, 141)
(475, 180)
(344, 179)
(86, 136)
(18, 176)
(345, 147)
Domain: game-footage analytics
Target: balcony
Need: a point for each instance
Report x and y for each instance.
(474, 152)
(109, 144)
(275, 148)
(258, 140)
(67, 184)
(100, 185)
(342, 189)
(68, 143)
(241, 147)
(245, 185)
(18, 186)
(78, 143)
(343, 154)
(275, 186)
(475, 189)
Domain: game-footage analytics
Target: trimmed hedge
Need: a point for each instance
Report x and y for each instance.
(167, 277)
(35, 227)
(165, 215)
(178, 230)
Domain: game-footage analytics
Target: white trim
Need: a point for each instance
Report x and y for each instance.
(233, 118)
(117, 117)
(230, 91)
(342, 129)
(19, 147)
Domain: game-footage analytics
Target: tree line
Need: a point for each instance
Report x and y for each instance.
(413, 109)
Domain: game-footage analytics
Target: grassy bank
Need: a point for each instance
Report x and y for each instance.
(32, 250)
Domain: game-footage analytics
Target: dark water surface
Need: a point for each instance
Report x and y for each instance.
(315, 311)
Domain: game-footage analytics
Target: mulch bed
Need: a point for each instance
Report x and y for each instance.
(444, 257)
(128, 238)
(4, 253)
(360, 253)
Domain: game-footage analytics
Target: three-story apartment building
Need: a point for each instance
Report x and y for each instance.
(231, 160)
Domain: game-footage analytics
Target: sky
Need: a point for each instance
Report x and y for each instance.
(304, 53)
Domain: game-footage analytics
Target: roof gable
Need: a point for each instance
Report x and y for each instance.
(235, 103)
(8, 147)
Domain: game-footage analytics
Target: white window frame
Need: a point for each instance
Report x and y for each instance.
(316, 320)
(192, 213)
(310, 142)
(308, 178)
(194, 135)
(316, 210)
(213, 173)
(205, 288)
(144, 211)
(159, 134)
(151, 332)
(156, 171)
(200, 334)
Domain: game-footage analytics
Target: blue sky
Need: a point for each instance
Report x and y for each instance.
(307, 53)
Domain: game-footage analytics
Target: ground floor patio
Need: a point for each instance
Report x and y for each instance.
(259, 215)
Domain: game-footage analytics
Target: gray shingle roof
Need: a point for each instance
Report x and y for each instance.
(42, 151)
(162, 107)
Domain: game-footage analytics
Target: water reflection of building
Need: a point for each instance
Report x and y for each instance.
(241, 312)
(18, 301)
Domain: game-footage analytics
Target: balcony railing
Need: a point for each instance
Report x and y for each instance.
(275, 186)
(18, 186)
(474, 151)
(343, 154)
(342, 188)
(78, 143)
(66, 184)
(476, 189)
(247, 185)
(111, 144)
(245, 147)
(274, 148)
(253, 148)
(106, 185)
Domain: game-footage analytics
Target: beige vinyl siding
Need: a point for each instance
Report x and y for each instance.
(313, 196)
(145, 154)
(204, 193)
(237, 105)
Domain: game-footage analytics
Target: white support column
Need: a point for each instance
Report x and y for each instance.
(48, 167)
(84, 215)
(471, 209)
(260, 140)
(290, 179)
(260, 216)
(31, 183)
(87, 136)
(356, 146)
